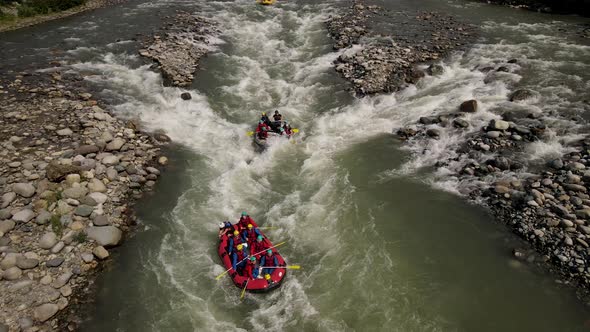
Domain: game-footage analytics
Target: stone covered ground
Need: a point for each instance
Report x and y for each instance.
(69, 171)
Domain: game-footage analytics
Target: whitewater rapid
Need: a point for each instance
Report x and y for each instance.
(280, 57)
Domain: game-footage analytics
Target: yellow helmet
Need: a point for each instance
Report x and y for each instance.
(263, 113)
(267, 276)
(236, 233)
(240, 247)
(250, 226)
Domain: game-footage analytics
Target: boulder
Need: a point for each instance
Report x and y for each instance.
(98, 197)
(12, 273)
(95, 185)
(100, 252)
(185, 96)
(24, 189)
(62, 280)
(101, 221)
(64, 132)
(56, 172)
(7, 198)
(45, 311)
(469, 106)
(522, 94)
(460, 123)
(6, 226)
(26, 263)
(110, 160)
(499, 125)
(435, 70)
(55, 262)
(75, 192)
(83, 210)
(48, 240)
(107, 236)
(432, 132)
(23, 215)
(86, 149)
(115, 144)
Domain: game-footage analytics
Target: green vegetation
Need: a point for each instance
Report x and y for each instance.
(81, 237)
(56, 225)
(28, 8)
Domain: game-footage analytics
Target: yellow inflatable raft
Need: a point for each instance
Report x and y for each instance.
(266, 2)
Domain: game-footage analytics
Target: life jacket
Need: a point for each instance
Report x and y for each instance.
(249, 270)
(263, 134)
(259, 246)
(251, 235)
(277, 117)
(244, 221)
(287, 130)
(235, 242)
(269, 261)
(241, 255)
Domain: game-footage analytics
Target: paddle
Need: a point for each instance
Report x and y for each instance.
(231, 268)
(251, 133)
(244, 290)
(267, 227)
(292, 267)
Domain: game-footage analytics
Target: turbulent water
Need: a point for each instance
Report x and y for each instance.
(381, 246)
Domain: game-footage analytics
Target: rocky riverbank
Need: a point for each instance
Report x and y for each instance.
(386, 61)
(69, 172)
(547, 205)
(179, 46)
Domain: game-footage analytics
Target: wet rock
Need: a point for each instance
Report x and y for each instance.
(406, 132)
(469, 106)
(499, 124)
(434, 133)
(460, 123)
(45, 311)
(521, 94)
(185, 96)
(556, 164)
(163, 161)
(435, 70)
(24, 189)
(427, 120)
(107, 236)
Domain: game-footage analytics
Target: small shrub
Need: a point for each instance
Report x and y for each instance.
(81, 237)
(56, 225)
(26, 11)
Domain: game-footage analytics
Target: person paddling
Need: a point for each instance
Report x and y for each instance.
(225, 228)
(259, 246)
(265, 119)
(251, 270)
(268, 260)
(249, 234)
(238, 257)
(234, 242)
(262, 134)
(245, 219)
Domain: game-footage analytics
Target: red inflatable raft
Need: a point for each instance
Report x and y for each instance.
(254, 285)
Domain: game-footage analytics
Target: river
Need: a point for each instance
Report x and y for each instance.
(385, 243)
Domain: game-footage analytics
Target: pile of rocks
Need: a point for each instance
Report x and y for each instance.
(182, 45)
(386, 61)
(548, 205)
(68, 172)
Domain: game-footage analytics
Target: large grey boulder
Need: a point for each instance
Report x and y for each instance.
(106, 236)
(45, 311)
(75, 192)
(48, 240)
(469, 106)
(24, 189)
(23, 215)
(7, 199)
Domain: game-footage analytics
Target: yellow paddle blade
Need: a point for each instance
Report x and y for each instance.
(221, 275)
(250, 133)
(293, 267)
(295, 130)
(244, 290)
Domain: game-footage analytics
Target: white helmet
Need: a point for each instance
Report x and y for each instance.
(221, 225)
